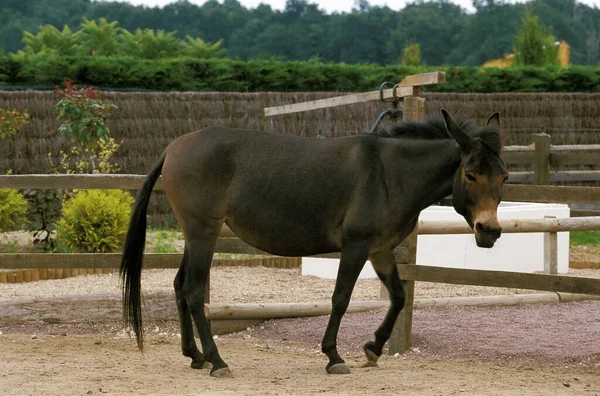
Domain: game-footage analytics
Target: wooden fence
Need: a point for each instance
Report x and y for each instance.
(543, 157)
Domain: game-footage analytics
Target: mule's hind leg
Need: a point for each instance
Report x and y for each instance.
(197, 271)
(384, 264)
(188, 343)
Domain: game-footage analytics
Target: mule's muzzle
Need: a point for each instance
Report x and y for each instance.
(486, 236)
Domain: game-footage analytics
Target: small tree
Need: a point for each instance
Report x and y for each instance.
(411, 55)
(534, 44)
(100, 38)
(85, 118)
(150, 44)
(198, 48)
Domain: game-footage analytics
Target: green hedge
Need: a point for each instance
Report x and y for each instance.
(227, 75)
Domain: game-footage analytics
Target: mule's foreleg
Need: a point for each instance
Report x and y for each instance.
(188, 343)
(354, 256)
(385, 267)
(197, 272)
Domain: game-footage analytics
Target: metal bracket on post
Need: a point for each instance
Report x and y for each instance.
(394, 100)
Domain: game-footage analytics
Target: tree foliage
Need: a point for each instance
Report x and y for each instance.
(534, 43)
(445, 32)
(412, 55)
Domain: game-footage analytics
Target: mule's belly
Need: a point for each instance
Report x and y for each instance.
(286, 239)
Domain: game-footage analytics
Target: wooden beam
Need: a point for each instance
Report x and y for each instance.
(41, 261)
(160, 305)
(337, 101)
(82, 260)
(80, 181)
(575, 176)
(515, 226)
(407, 87)
(516, 280)
(576, 154)
(551, 194)
(555, 177)
(284, 310)
(417, 80)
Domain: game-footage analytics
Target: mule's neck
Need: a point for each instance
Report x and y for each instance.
(424, 171)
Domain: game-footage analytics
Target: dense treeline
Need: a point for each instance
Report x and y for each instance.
(377, 35)
(190, 74)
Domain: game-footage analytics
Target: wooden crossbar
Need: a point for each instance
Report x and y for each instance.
(407, 87)
(460, 276)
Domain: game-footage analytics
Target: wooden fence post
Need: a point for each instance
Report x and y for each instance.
(406, 254)
(541, 163)
(551, 251)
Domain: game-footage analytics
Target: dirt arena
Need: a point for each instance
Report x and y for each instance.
(528, 350)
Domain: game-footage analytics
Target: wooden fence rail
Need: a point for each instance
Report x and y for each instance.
(544, 156)
(515, 193)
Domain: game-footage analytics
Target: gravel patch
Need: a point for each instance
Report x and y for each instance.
(247, 285)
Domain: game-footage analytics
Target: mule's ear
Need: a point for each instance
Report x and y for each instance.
(465, 142)
(494, 120)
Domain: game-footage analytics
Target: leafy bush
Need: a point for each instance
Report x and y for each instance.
(95, 221)
(11, 121)
(13, 210)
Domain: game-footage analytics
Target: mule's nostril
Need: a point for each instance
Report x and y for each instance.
(484, 229)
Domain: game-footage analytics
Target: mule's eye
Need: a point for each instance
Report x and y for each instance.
(470, 177)
(505, 179)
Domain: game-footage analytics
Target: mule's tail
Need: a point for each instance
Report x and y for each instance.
(131, 263)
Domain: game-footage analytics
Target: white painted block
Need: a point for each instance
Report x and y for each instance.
(512, 252)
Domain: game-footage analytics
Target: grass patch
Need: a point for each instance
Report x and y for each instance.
(585, 238)
(165, 242)
(10, 247)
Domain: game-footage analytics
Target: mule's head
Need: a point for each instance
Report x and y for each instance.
(478, 183)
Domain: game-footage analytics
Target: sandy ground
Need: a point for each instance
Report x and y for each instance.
(528, 350)
(79, 365)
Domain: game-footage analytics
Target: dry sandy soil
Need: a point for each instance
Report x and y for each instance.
(526, 350)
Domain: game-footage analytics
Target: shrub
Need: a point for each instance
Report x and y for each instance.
(228, 75)
(11, 121)
(13, 210)
(95, 221)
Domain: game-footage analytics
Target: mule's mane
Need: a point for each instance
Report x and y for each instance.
(434, 127)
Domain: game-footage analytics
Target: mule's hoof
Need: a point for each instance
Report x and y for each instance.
(338, 368)
(371, 357)
(199, 365)
(224, 372)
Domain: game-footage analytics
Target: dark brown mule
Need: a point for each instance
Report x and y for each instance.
(294, 196)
